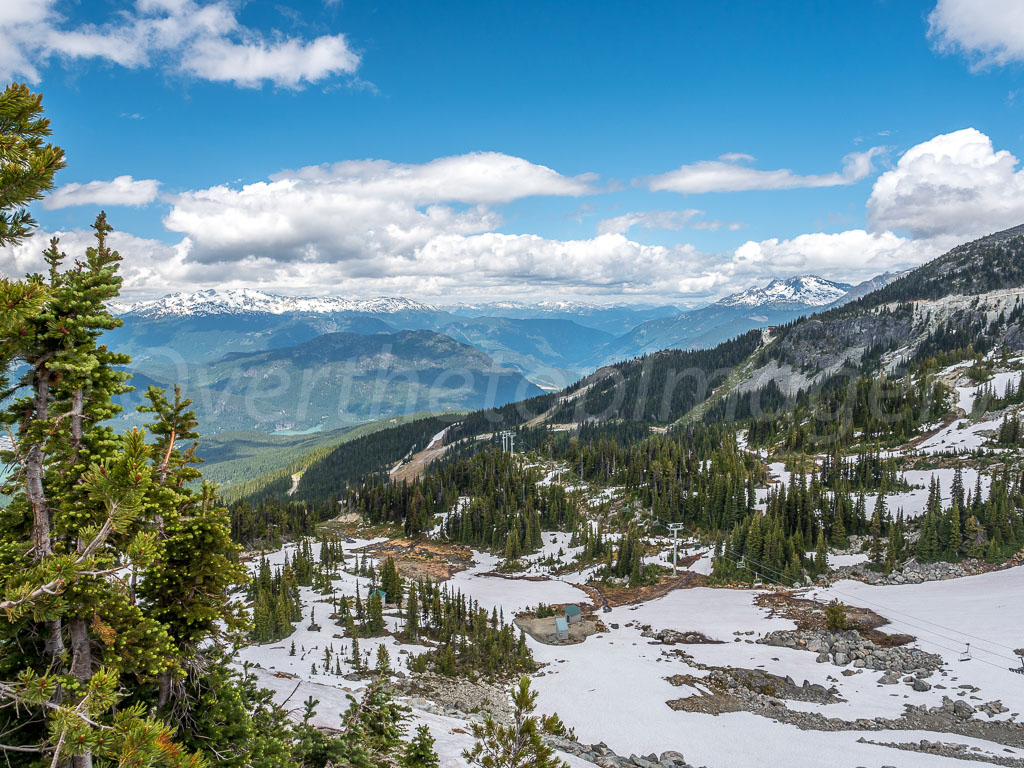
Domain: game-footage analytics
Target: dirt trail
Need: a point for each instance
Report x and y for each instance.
(607, 595)
(418, 462)
(416, 465)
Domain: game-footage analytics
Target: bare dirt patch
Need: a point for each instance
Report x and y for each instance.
(418, 462)
(423, 558)
(616, 596)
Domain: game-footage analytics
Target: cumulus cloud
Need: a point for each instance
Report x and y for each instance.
(988, 32)
(729, 174)
(429, 230)
(149, 266)
(850, 256)
(205, 41)
(670, 220)
(955, 184)
(285, 63)
(488, 265)
(360, 210)
(492, 265)
(123, 190)
(606, 262)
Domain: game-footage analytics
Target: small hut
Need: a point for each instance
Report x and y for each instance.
(573, 614)
(561, 629)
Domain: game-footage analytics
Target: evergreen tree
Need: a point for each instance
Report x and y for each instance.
(412, 619)
(391, 582)
(90, 502)
(419, 753)
(27, 165)
(821, 553)
(876, 551)
(374, 614)
(518, 745)
(383, 660)
(835, 616)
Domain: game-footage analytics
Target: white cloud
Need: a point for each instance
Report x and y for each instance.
(737, 157)
(285, 63)
(428, 230)
(728, 175)
(488, 265)
(850, 256)
(360, 210)
(608, 262)
(987, 32)
(670, 220)
(123, 190)
(182, 36)
(494, 265)
(149, 266)
(954, 184)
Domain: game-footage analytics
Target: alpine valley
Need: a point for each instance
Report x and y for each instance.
(491, 385)
(299, 364)
(810, 532)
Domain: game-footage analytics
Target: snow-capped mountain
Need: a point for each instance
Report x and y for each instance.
(246, 301)
(780, 301)
(805, 290)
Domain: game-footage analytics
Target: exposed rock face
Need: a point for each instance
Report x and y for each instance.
(736, 680)
(458, 697)
(947, 749)
(954, 717)
(672, 637)
(600, 754)
(843, 648)
(913, 572)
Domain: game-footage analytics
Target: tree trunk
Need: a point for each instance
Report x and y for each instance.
(34, 475)
(164, 697)
(77, 411)
(55, 642)
(81, 668)
(81, 650)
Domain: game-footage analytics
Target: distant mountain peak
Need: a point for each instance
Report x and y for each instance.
(803, 290)
(248, 301)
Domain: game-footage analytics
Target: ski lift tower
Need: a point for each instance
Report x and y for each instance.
(675, 528)
(508, 440)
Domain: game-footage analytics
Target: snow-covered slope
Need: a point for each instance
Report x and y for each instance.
(806, 290)
(242, 301)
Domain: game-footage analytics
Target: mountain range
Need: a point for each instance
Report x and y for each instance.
(778, 302)
(965, 303)
(246, 301)
(257, 360)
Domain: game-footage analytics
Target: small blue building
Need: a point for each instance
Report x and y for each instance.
(561, 629)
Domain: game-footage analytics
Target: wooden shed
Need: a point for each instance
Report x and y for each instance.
(573, 614)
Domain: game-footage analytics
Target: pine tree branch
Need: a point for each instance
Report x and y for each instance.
(54, 586)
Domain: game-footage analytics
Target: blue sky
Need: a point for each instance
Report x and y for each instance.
(630, 153)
